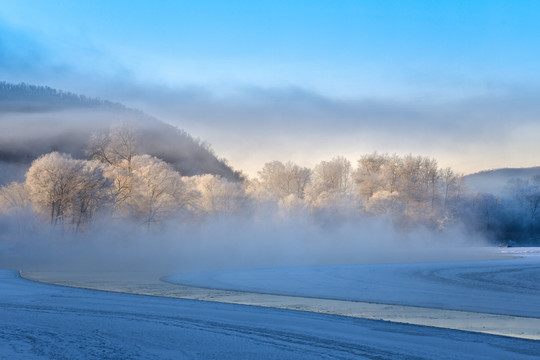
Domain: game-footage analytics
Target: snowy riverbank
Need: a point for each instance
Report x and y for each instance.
(42, 321)
(489, 296)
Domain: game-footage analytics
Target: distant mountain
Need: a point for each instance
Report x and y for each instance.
(494, 181)
(35, 120)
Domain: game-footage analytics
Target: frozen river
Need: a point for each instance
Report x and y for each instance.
(490, 296)
(42, 321)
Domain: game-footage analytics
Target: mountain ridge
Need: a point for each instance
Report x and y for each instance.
(35, 120)
(495, 180)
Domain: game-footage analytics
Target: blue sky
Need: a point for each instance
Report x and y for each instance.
(337, 47)
(242, 59)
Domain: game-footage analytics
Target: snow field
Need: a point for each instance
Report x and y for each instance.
(42, 321)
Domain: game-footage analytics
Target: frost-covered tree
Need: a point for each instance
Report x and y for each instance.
(391, 173)
(292, 205)
(483, 210)
(331, 185)
(452, 191)
(65, 189)
(51, 182)
(530, 198)
(332, 176)
(218, 195)
(284, 179)
(414, 185)
(122, 185)
(384, 202)
(369, 176)
(92, 193)
(519, 212)
(157, 191)
(14, 197)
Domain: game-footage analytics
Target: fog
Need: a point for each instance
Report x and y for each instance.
(149, 197)
(264, 240)
(25, 135)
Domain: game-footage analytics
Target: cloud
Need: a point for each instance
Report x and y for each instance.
(298, 109)
(256, 124)
(251, 124)
(253, 109)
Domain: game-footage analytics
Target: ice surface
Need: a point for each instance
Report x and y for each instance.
(505, 286)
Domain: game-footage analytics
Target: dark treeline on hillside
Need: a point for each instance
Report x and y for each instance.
(37, 120)
(495, 181)
(32, 98)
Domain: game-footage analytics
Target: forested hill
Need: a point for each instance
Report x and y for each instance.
(495, 181)
(36, 120)
(31, 98)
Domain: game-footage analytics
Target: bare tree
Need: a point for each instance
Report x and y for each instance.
(453, 187)
(116, 148)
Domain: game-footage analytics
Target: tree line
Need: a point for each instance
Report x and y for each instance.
(116, 182)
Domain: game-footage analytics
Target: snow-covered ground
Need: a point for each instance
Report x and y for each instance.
(42, 321)
(490, 296)
(46, 321)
